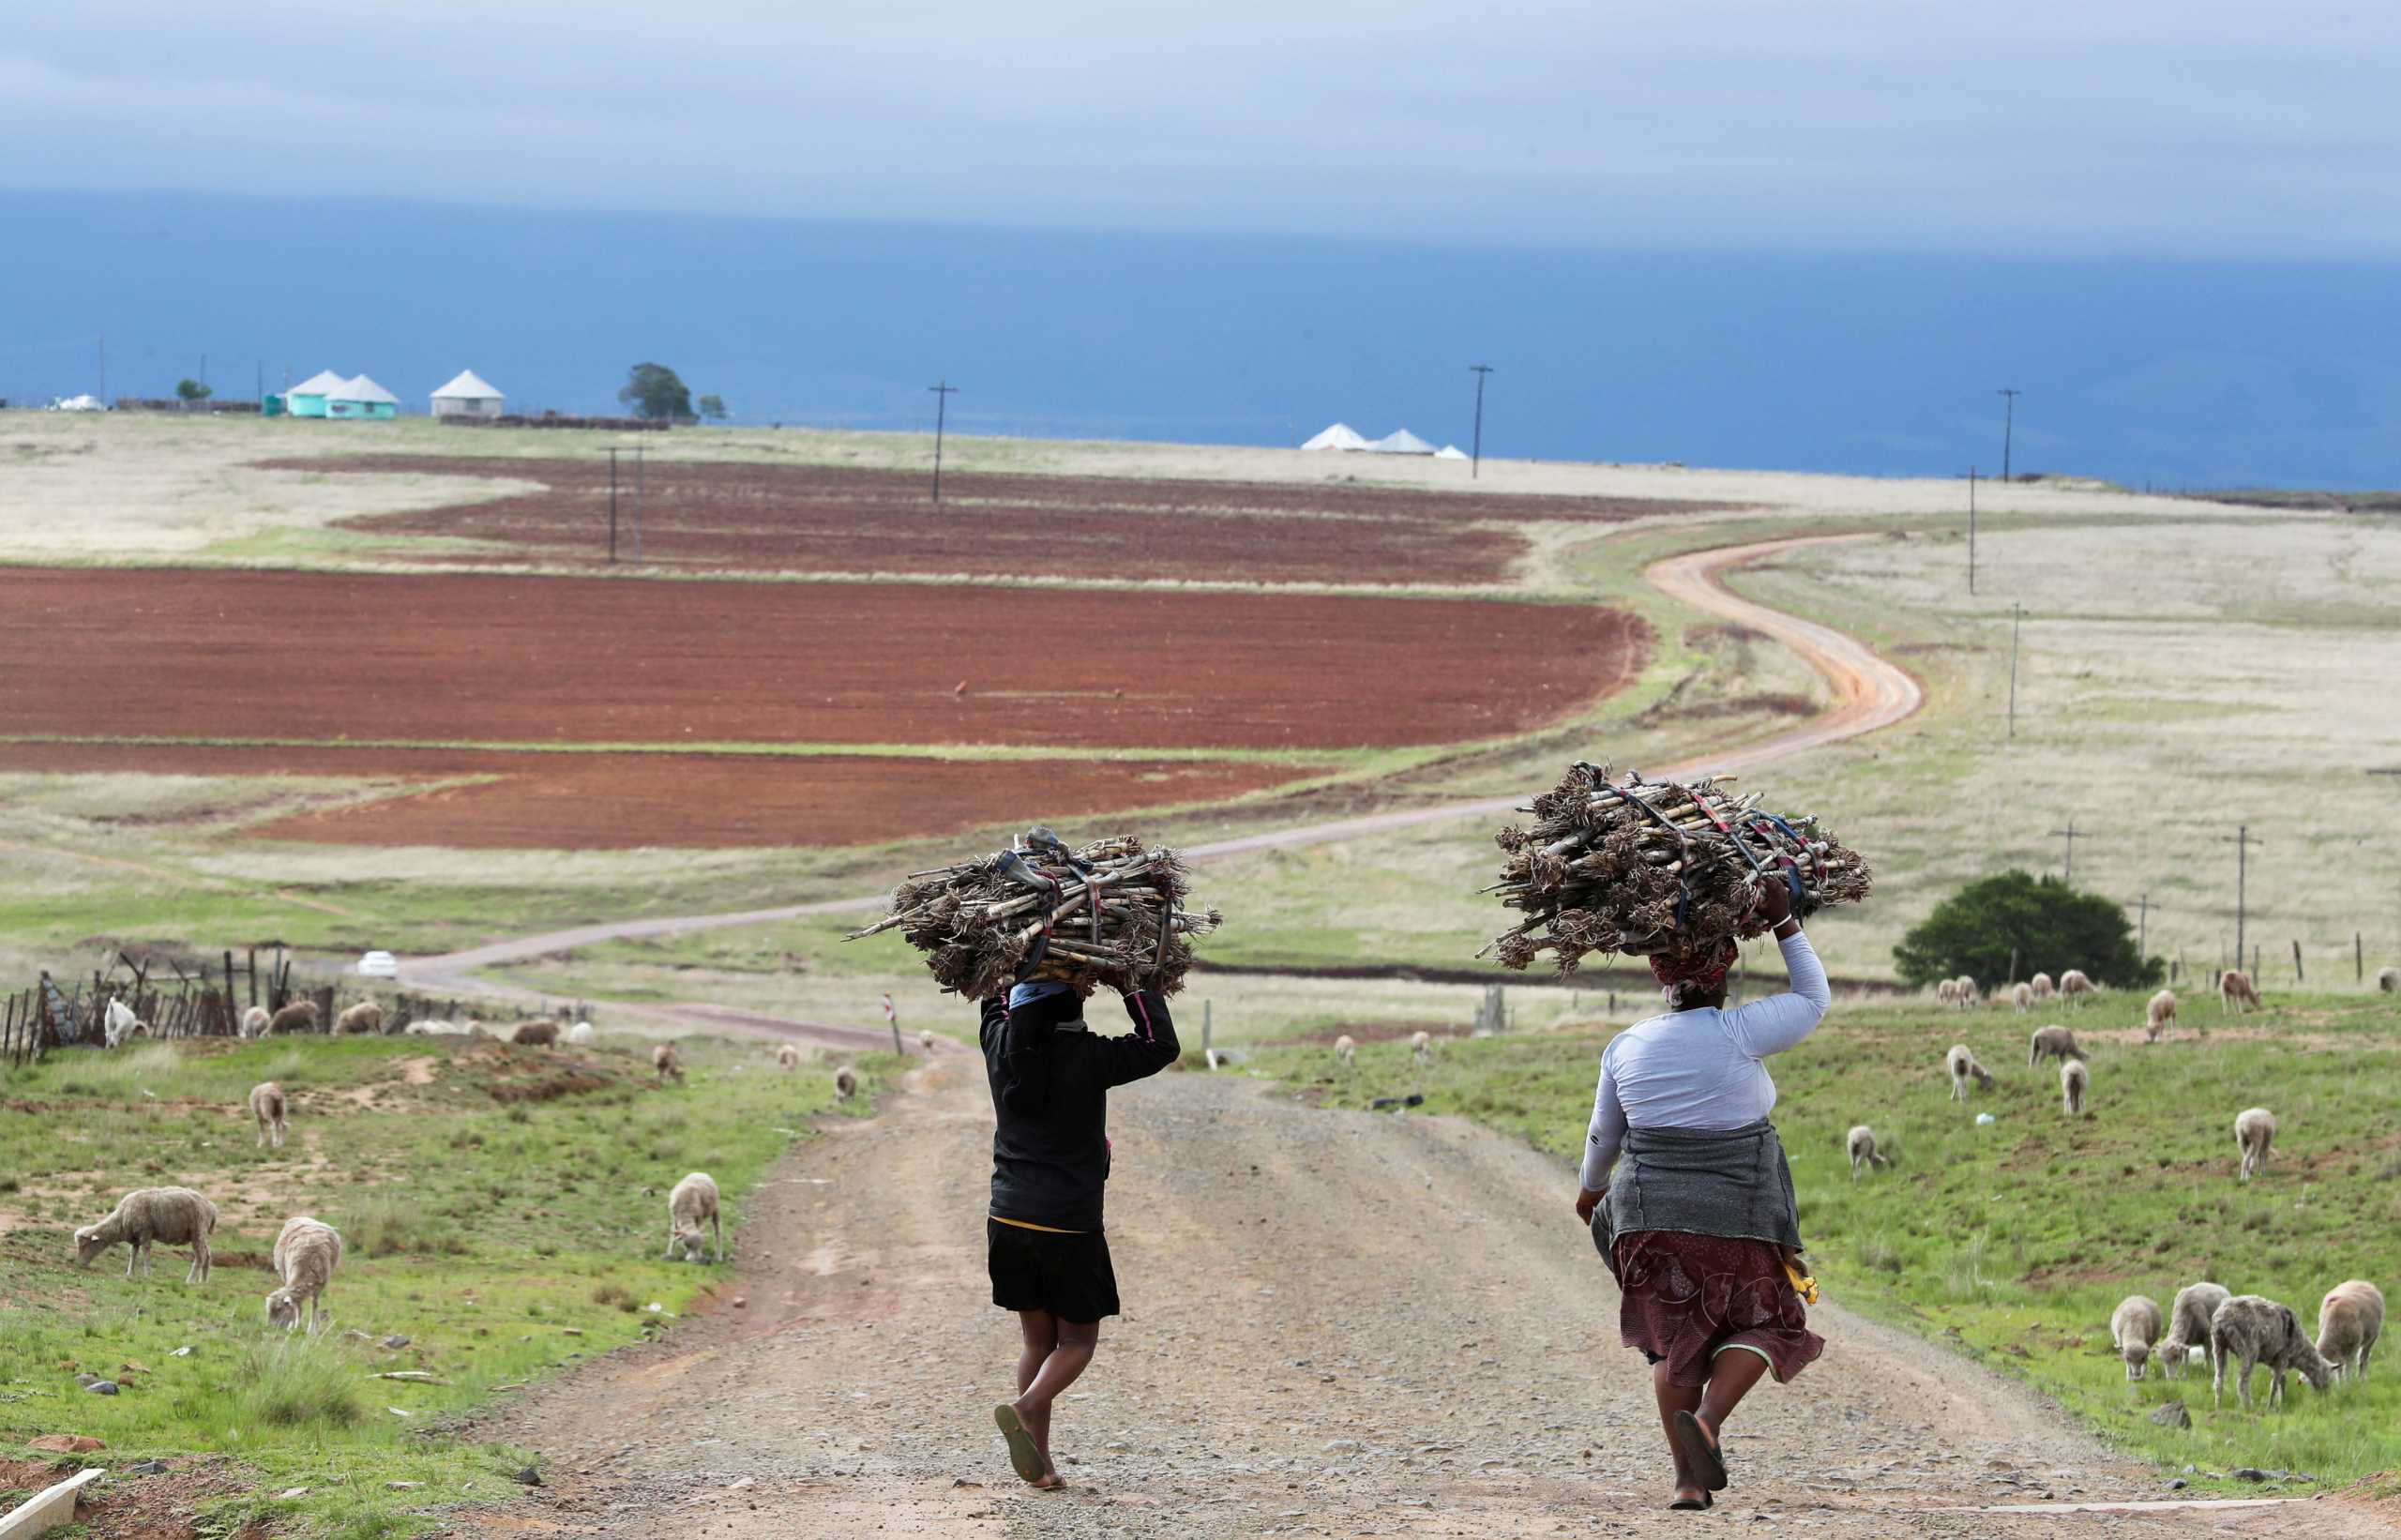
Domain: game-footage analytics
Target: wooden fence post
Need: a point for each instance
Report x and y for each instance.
(2359, 958)
(2298, 977)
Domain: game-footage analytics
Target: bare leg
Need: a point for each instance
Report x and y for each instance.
(1069, 1355)
(1731, 1375)
(1672, 1399)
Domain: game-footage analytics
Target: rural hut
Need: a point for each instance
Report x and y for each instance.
(1450, 451)
(361, 397)
(309, 398)
(1400, 441)
(468, 396)
(1339, 436)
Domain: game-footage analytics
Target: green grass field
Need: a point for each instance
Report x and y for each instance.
(2012, 1241)
(501, 1208)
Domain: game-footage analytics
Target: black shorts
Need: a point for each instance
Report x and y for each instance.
(1068, 1276)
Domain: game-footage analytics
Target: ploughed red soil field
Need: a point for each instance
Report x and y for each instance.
(603, 801)
(794, 518)
(324, 656)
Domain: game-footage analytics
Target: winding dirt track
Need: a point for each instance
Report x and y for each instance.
(1869, 692)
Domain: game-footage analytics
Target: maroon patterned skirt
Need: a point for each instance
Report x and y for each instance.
(1688, 1298)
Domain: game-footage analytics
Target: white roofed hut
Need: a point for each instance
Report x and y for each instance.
(1450, 451)
(1340, 437)
(1400, 441)
(468, 396)
(360, 399)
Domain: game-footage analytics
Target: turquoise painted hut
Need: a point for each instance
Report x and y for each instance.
(307, 398)
(361, 397)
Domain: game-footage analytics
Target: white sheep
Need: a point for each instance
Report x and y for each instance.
(693, 1201)
(268, 1106)
(788, 1056)
(662, 1062)
(1421, 1045)
(2022, 996)
(2041, 985)
(436, 1027)
(1964, 987)
(2255, 1132)
(2252, 1330)
(305, 1255)
(254, 1021)
(121, 1023)
(1861, 1145)
(2052, 1042)
(846, 1084)
(1961, 1063)
(2349, 1319)
(1947, 992)
(365, 1019)
(2236, 992)
(2188, 1325)
(150, 1215)
(925, 1041)
(2134, 1326)
(581, 1034)
(2389, 980)
(2075, 988)
(299, 1016)
(1346, 1052)
(2159, 1014)
(2076, 1084)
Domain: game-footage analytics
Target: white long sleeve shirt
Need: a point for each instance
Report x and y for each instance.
(1701, 1068)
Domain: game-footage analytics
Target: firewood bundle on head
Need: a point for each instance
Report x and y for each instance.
(1107, 914)
(1652, 868)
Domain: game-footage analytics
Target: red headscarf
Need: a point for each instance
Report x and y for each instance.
(1706, 970)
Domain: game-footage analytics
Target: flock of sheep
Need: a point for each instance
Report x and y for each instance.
(2251, 1332)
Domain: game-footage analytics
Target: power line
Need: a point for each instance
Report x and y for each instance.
(943, 393)
(1475, 456)
(2008, 428)
(2241, 841)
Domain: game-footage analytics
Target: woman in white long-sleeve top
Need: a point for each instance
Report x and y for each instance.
(1687, 1193)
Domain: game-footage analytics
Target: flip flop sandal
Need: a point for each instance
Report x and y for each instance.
(1689, 1504)
(1700, 1455)
(1024, 1458)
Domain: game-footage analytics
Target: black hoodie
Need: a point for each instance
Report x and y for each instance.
(1050, 1078)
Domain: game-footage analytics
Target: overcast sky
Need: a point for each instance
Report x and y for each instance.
(2158, 126)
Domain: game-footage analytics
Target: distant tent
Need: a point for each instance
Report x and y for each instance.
(1450, 451)
(1400, 441)
(361, 397)
(308, 399)
(1339, 436)
(468, 396)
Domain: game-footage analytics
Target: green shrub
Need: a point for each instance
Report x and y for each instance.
(2038, 924)
(389, 1226)
(298, 1382)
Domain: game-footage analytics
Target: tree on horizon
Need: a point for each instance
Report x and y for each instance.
(655, 391)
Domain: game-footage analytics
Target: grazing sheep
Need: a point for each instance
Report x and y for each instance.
(693, 1201)
(254, 1021)
(266, 1105)
(662, 1061)
(2389, 980)
(121, 1023)
(2076, 1084)
(2236, 992)
(1861, 1145)
(2134, 1326)
(436, 1027)
(2159, 1014)
(846, 1083)
(2349, 1319)
(299, 1016)
(925, 1041)
(2188, 1325)
(305, 1255)
(1421, 1044)
(1961, 1063)
(1346, 1052)
(1947, 992)
(147, 1215)
(2041, 985)
(2074, 988)
(2253, 1131)
(362, 1019)
(534, 1034)
(2053, 1042)
(2022, 996)
(788, 1056)
(2253, 1331)
(581, 1034)
(1964, 987)
(475, 1028)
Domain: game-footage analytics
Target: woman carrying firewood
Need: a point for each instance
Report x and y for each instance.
(1688, 1194)
(1048, 1256)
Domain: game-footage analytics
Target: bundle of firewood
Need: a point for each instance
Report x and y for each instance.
(1109, 914)
(1652, 866)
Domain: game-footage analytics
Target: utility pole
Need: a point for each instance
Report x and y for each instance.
(2142, 932)
(943, 393)
(2242, 843)
(2071, 835)
(612, 506)
(1475, 456)
(1972, 529)
(2017, 613)
(2008, 429)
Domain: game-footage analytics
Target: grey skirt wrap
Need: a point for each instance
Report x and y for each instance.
(1730, 1182)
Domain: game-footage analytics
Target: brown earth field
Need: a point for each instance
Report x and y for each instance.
(797, 519)
(601, 801)
(321, 657)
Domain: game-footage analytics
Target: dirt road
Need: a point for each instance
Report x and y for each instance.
(1869, 693)
(1337, 1324)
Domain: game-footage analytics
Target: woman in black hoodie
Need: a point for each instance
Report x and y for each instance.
(1049, 1257)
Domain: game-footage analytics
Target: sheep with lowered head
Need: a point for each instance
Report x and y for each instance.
(1961, 1063)
(2022, 996)
(581, 1034)
(2389, 980)
(693, 1202)
(121, 1024)
(2076, 1084)
(2349, 1319)
(151, 1215)
(2188, 1325)
(299, 1016)
(1346, 1052)
(305, 1255)
(536, 1033)
(1861, 1144)
(2255, 1132)
(2052, 1042)
(1421, 1045)
(663, 1062)
(2159, 1014)
(254, 1021)
(2236, 992)
(2134, 1326)
(268, 1106)
(1964, 991)
(1947, 992)
(925, 1041)
(2075, 988)
(2041, 985)
(846, 1084)
(2252, 1330)
(365, 1019)
(788, 1056)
